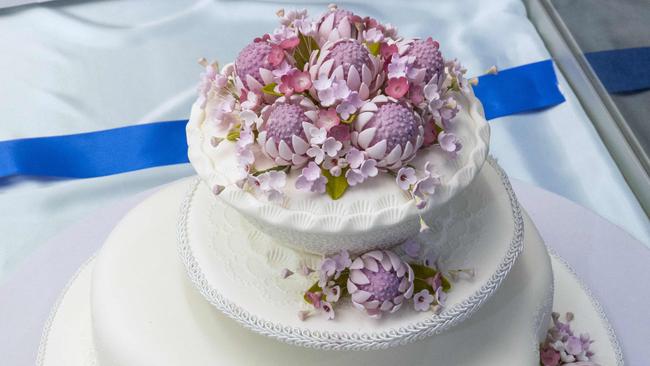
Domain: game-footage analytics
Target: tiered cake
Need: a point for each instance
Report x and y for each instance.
(346, 213)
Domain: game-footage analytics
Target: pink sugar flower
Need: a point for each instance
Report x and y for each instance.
(299, 81)
(397, 87)
(387, 50)
(276, 55)
(294, 81)
(340, 133)
(416, 94)
(290, 43)
(285, 86)
(264, 38)
(314, 298)
(430, 133)
(327, 118)
(550, 357)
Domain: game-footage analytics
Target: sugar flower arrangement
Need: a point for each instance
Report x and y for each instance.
(563, 347)
(380, 281)
(339, 99)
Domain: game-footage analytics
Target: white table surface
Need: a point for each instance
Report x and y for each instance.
(75, 66)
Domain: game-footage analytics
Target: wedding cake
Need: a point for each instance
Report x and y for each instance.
(346, 212)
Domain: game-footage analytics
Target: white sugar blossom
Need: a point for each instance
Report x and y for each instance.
(331, 146)
(332, 293)
(317, 135)
(335, 165)
(449, 142)
(269, 184)
(373, 35)
(406, 177)
(349, 105)
(399, 66)
(311, 179)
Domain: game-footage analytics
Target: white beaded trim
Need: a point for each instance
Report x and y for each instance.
(328, 340)
(613, 339)
(42, 346)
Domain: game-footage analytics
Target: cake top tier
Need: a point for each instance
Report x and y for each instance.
(339, 100)
(336, 133)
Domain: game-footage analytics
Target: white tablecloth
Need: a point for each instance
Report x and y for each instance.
(77, 66)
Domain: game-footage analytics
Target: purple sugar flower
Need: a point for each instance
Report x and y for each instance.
(550, 357)
(562, 347)
(348, 54)
(254, 65)
(388, 132)
(422, 300)
(345, 62)
(412, 248)
(332, 267)
(336, 24)
(398, 66)
(283, 132)
(440, 296)
(342, 260)
(426, 55)
(379, 282)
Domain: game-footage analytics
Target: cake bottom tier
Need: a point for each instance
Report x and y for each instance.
(145, 311)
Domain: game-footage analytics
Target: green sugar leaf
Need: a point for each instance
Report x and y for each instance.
(270, 90)
(335, 186)
(304, 49)
(373, 48)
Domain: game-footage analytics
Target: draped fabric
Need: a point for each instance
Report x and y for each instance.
(80, 66)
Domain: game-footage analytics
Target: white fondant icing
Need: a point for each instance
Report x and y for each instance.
(146, 312)
(371, 215)
(67, 337)
(237, 269)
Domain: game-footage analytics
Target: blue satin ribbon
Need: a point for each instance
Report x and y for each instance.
(519, 89)
(94, 154)
(622, 71)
